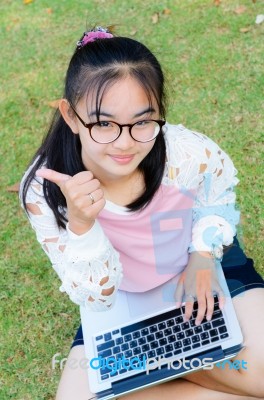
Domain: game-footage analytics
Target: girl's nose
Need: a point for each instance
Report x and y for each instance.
(125, 140)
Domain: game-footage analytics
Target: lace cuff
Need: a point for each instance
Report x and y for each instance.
(93, 283)
(212, 231)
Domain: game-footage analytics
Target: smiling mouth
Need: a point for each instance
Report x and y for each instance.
(122, 155)
(122, 159)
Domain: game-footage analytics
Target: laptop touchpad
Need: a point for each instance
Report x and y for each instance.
(153, 300)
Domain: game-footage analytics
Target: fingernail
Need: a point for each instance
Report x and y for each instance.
(197, 323)
(208, 318)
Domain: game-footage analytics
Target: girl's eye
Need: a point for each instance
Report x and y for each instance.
(143, 123)
(104, 124)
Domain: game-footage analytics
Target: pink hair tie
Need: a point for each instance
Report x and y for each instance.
(95, 34)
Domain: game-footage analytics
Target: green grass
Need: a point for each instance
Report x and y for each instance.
(215, 85)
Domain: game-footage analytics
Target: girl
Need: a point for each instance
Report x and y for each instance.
(120, 199)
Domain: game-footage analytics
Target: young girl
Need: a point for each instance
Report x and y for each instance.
(120, 199)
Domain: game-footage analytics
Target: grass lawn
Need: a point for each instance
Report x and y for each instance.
(213, 60)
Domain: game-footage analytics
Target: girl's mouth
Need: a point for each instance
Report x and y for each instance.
(122, 159)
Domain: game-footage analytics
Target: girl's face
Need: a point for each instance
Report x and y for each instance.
(124, 102)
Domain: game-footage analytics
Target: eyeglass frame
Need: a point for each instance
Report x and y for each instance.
(89, 126)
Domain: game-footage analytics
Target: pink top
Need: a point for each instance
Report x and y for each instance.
(153, 243)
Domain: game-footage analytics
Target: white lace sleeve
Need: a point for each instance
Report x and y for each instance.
(200, 163)
(87, 265)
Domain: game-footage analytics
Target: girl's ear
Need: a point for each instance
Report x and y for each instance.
(68, 115)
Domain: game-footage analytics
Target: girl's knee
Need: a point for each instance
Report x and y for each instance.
(250, 363)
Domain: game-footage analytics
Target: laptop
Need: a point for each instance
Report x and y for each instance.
(144, 341)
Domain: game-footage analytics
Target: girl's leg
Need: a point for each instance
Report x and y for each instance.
(74, 385)
(183, 390)
(249, 309)
(74, 382)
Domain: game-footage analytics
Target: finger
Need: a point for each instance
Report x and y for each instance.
(52, 176)
(84, 188)
(188, 309)
(178, 295)
(210, 305)
(95, 195)
(83, 200)
(221, 298)
(84, 177)
(90, 211)
(201, 308)
(95, 208)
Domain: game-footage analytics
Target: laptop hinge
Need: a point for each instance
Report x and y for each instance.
(163, 372)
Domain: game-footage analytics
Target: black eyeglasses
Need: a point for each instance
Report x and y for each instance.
(108, 131)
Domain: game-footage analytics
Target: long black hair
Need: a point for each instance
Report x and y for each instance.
(92, 69)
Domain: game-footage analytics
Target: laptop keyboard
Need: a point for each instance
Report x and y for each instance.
(165, 335)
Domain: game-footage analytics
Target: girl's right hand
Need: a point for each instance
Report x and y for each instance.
(77, 189)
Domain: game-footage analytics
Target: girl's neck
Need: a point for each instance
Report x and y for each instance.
(124, 191)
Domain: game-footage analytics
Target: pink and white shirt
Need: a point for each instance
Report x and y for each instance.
(193, 210)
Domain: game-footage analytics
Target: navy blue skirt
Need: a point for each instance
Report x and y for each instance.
(239, 272)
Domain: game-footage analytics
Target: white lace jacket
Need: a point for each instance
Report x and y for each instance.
(88, 264)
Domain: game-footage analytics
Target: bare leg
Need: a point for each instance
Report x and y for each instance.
(74, 385)
(181, 389)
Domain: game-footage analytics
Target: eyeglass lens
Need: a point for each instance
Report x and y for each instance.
(106, 132)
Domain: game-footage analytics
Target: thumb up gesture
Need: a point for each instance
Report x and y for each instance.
(83, 194)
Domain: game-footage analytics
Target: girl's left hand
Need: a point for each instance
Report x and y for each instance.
(199, 281)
